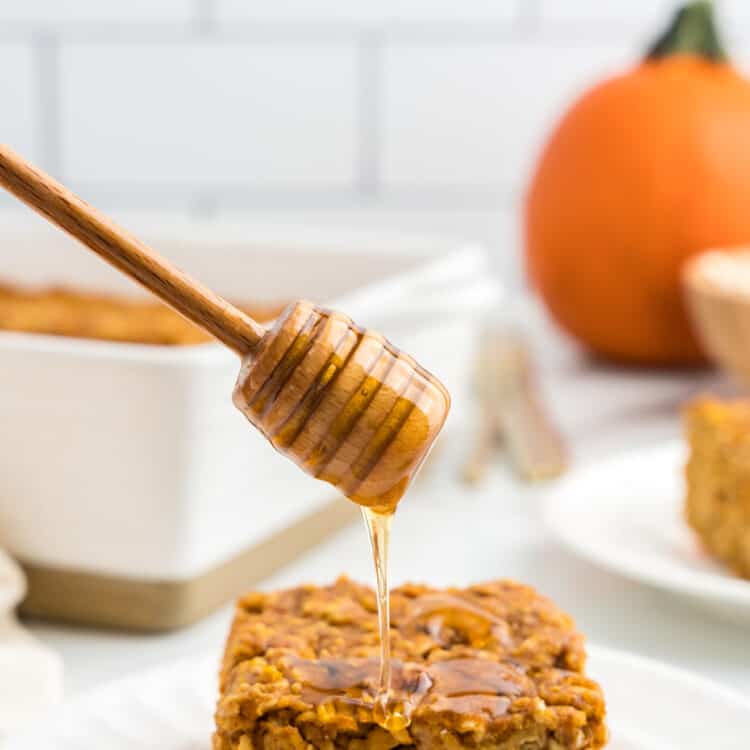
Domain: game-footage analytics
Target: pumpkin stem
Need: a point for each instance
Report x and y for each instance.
(692, 31)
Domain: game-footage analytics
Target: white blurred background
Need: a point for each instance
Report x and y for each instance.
(403, 113)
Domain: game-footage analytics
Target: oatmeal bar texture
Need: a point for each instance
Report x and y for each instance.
(718, 479)
(495, 666)
(68, 312)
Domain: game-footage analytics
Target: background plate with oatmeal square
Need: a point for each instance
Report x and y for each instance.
(625, 514)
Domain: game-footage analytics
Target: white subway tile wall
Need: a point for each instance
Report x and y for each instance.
(20, 103)
(372, 12)
(421, 114)
(734, 16)
(630, 12)
(19, 97)
(202, 115)
(64, 12)
(477, 114)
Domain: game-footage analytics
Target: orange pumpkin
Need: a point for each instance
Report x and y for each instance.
(646, 169)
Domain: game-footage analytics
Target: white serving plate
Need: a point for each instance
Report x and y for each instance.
(130, 460)
(650, 707)
(625, 514)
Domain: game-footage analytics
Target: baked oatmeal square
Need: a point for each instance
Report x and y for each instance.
(494, 665)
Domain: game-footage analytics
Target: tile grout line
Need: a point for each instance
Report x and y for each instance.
(369, 113)
(204, 17)
(204, 24)
(202, 204)
(47, 119)
(207, 201)
(527, 19)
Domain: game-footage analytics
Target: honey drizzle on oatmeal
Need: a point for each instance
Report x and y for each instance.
(371, 461)
(462, 685)
(379, 530)
(349, 409)
(391, 690)
(353, 682)
(459, 685)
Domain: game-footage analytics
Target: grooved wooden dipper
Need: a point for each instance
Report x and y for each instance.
(342, 402)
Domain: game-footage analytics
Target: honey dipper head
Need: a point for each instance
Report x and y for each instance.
(343, 403)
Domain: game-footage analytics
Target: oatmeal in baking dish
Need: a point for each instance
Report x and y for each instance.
(61, 311)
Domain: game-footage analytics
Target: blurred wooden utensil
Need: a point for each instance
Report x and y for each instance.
(511, 412)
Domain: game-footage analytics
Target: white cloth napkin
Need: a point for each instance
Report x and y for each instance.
(30, 674)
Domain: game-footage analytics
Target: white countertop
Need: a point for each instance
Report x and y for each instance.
(446, 533)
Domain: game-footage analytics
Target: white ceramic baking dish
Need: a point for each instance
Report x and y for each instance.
(129, 462)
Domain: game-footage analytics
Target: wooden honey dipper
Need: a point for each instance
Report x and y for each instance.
(340, 401)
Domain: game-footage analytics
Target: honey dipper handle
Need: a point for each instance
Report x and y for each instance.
(190, 298)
